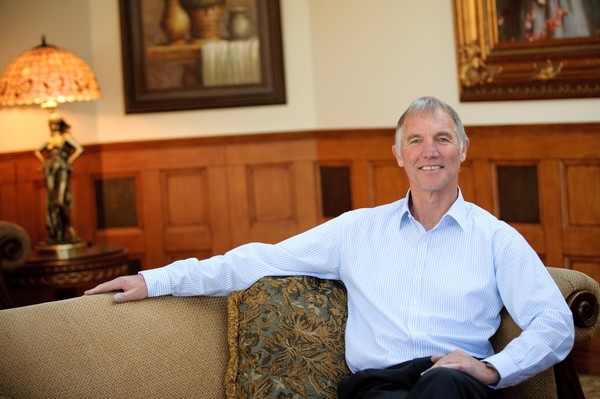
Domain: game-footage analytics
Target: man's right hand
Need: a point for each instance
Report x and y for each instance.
(133, 287)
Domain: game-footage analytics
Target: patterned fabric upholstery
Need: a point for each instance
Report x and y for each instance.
(286, 339)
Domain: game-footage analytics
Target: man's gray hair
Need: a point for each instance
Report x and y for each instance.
(427, 105)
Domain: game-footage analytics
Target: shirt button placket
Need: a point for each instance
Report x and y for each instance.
(417, 283)
(415, 313)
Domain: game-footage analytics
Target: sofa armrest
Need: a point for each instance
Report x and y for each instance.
(15, 247)
(581, 293)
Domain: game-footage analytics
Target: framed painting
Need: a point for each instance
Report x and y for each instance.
(527, 49)
(198, 54)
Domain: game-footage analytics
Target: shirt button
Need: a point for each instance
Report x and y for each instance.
(415, 302)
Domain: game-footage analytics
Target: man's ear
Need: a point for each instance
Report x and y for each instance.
(463, 156)
(398, 156)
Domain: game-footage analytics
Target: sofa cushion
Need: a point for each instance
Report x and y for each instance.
(286, 339)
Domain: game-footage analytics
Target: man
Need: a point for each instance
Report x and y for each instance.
(426, 276)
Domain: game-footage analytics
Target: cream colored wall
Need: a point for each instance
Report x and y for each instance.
(348, 63)
(371, 61)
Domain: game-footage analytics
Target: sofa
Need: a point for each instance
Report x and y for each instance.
(281, 338)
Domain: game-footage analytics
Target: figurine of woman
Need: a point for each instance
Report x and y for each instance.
(57, 155)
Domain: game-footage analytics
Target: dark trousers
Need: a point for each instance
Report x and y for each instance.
(404, 380)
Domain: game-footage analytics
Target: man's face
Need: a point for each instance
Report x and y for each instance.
(430, 152)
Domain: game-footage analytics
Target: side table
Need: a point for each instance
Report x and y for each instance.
(50, 276)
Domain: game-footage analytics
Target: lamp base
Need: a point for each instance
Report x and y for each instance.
(62, 250)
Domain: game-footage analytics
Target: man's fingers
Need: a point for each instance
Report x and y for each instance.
(112, 285)
(435, 358)
(134, 294)
(118, 297)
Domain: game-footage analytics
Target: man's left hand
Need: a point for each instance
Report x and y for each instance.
(460, 360)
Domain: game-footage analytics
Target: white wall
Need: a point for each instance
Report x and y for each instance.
(348, 63)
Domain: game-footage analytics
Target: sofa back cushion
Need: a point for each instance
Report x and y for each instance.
(286, 339)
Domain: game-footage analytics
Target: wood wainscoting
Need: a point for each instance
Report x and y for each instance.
(170, 199)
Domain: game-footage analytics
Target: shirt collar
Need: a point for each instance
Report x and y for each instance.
(458, 210)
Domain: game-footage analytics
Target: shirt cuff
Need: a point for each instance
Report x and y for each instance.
(157, 282)
(505, 367)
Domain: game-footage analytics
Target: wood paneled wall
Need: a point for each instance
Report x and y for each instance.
(165, 200)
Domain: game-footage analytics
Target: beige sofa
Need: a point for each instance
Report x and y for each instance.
(207, 347)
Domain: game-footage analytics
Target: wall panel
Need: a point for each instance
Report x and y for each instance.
(583, 191)
(387, 182)
(186, 208)
(272, 188)
(8, 190)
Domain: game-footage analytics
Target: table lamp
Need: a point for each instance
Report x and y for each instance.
(48, 76)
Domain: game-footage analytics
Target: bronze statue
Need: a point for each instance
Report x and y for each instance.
(57, 155)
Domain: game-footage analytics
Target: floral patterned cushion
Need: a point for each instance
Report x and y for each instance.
(286, 339)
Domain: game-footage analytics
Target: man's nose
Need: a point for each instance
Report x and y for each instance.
(431, 149)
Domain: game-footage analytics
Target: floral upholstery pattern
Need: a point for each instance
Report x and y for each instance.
(286, 339)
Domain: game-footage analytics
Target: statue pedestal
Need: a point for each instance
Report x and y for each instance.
(60, 273)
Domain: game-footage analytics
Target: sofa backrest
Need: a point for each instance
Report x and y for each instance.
(89, 347)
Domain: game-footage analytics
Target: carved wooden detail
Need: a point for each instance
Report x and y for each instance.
(48, 276)
(494, 66)
(472, 69)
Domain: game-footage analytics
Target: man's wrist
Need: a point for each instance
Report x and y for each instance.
(491, 367)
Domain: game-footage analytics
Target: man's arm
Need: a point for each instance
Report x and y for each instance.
(535, 303)
(314, 252)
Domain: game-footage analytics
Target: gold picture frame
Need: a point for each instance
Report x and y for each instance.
(505, 51)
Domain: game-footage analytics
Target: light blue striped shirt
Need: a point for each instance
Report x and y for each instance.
(411, 292)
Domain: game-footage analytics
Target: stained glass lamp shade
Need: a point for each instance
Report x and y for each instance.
(48, 76)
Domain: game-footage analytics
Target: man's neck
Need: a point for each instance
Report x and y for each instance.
(429, 208)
